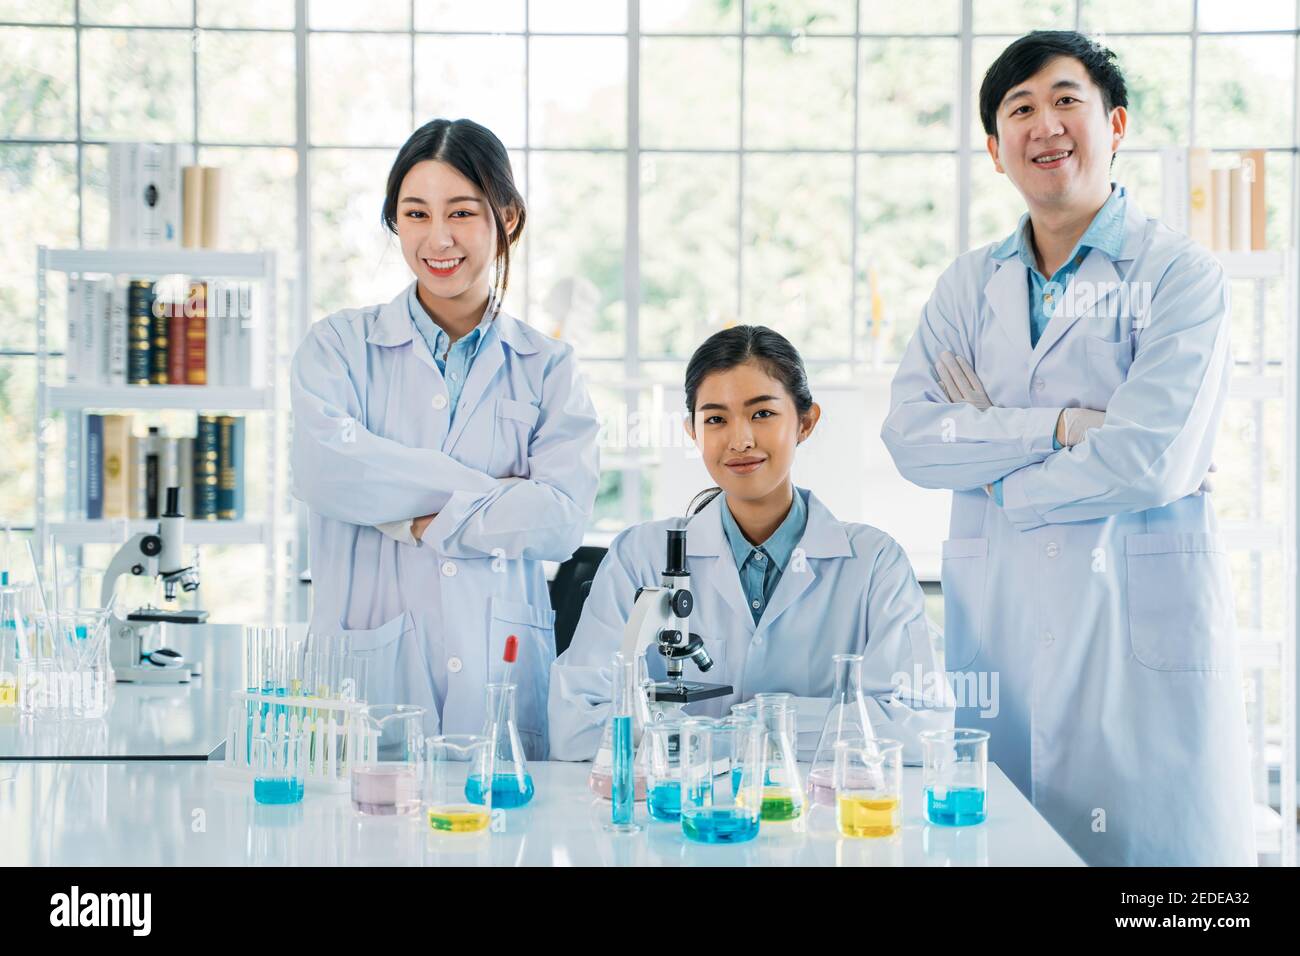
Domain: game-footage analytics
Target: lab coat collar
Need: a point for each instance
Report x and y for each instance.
(823, 536)
(1007, 289)
(393, 326)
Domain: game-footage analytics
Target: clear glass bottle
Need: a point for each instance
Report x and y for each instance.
(847, 720)
(783, 792)
(511, 785)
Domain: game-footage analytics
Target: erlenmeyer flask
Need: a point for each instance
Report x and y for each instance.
(511, 784)
(600, 780)
(846, 720)
(783, 793)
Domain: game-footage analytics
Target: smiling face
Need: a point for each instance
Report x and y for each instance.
(447, 232)
(1056, 138)
(746, 427)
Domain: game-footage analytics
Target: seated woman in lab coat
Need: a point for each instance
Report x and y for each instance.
(780, 585)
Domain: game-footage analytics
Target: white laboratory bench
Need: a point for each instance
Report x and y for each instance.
(162, 813)
(146, 721)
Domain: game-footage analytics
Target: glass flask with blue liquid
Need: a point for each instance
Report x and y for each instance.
(511, 784)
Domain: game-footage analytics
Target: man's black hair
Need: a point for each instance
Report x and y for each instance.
(1031, 52)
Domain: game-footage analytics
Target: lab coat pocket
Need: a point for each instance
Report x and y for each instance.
(397, 670)
(1108, 365)
(965, 566)
(510, 438)
(535, 628)
(1180, 610)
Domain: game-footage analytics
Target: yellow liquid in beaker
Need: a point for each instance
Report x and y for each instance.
(867, 816)
(458, 819)
(8, 693)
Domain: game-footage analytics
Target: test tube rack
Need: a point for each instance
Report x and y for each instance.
(334, 729)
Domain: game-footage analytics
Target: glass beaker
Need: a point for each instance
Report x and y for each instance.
(85, 673)
(847, 719)
(386, 775)
(662, 748)
(278, 767)
(955, 776)
(783, 793)
(15, 641)
(454, 759)
(510, 784)
(868, 784)
(722, 779)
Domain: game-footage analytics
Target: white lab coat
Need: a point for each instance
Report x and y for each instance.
(1099, 596)
(373, 442)
(847, 589)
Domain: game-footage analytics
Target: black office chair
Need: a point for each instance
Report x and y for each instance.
(569, 589)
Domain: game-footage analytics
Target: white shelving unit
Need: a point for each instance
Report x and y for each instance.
(1266, 652)
(74, 401)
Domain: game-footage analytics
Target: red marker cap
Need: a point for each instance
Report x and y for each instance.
(512, 649)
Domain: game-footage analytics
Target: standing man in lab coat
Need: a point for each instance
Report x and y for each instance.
(1067, 384)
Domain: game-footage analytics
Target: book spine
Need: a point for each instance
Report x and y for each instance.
(140, 300)
(1220, 202)
(94, 466)
(117, 346)
(135, 484)
(117, 457)
(237, 466)
(1173, 159)
(104, 329)
(226, 468)
(192, 215)
(161, 315)
(177, 342)
(196, 336)
(1200, 189)
(205, 468)
(1239, 204)
(152, 473)
(185, 473)
(72, 351)
(1253, 160)
(211, 233)
(169, 196)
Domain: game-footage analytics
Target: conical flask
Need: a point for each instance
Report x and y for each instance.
(600, 780)
(511, 784)
(846, 720)
(783, 793)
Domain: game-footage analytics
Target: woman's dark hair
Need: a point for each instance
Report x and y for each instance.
(474, 152)
(1031, 52)
(736, 346)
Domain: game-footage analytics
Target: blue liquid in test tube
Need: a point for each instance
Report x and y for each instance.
(623, 790)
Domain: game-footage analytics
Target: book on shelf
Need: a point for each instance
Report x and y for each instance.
(126, 472)
(144, 195)
(193, 332)
(1218, 202)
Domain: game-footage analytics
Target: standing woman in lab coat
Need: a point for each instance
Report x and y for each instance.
(1067, 384)
(444, 449)
(780, 585)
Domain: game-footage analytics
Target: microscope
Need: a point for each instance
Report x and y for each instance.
(660, 617)
(135, 649)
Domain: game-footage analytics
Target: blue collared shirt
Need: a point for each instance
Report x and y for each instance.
(761, 566)
(454, 358)
(1105, 232)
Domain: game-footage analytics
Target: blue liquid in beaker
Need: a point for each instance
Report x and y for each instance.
(714, 825)
(277, 790)
(665, 802)
(507, 792)
(960, 807)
